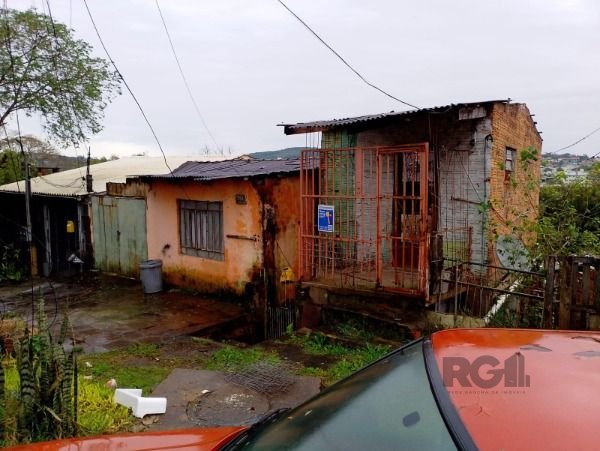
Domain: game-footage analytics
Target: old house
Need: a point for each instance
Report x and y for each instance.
(228, 226)
(69, 217)
(400, 202)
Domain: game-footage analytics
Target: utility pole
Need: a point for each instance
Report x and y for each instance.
(28, 231)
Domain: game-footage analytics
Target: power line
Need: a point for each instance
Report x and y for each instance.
(577, 142)
(346, 63)
(127, 86)
(183, 77)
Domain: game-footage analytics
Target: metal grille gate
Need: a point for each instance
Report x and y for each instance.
(377, 201)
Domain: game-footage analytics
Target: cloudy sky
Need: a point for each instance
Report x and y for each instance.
(251, 65)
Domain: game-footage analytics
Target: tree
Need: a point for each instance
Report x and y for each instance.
(11, 168)
(570, 217)
(45, 70)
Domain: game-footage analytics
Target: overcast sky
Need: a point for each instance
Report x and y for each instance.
(251, 65)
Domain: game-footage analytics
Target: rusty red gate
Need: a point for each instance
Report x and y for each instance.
(364, 217)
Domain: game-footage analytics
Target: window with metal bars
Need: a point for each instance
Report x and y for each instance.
(201, 228)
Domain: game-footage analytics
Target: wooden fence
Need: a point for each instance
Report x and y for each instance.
(572, 293)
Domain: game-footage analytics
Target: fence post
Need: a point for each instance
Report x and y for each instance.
(597, 285)
(564, 320)
(549, 293)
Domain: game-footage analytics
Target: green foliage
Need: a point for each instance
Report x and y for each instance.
(347, 359)
(530, 317)
(45, 70)
(98, 414)
(355, 331)
(110, 365)
(11, 168)
(42, 404)
(570, 218)
(10, 267)
(348, 362)
(149, 350)
(529, 155)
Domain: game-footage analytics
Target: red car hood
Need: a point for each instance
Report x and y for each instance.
(185, 439)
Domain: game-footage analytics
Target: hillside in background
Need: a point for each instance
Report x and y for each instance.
(284, 154)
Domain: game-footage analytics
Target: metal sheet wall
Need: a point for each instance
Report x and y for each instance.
(119, 233)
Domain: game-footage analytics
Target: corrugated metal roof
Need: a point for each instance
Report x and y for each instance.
(72, 182)
(237, 168)
(315, 126)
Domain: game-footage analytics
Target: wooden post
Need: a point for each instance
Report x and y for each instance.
(585, 295)
(549, 294)
(597, 286)
(564, 320)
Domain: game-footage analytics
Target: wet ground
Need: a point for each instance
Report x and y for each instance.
(212, 398)
(112, 314)
(108, 313)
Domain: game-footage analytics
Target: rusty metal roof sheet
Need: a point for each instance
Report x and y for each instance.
(316, 126)
(236, 168)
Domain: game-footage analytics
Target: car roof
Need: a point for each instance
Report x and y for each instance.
(556, 401)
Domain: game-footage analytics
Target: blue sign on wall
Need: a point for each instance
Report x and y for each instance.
(326, 216)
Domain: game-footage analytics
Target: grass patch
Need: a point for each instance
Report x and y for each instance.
(144, 377)
(348, 360)
(317, 344)
(124, 366)
(148, 350)
(97, 413)
(231, 358)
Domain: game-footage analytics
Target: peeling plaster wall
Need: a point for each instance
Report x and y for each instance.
(244, 247)
(242, 258)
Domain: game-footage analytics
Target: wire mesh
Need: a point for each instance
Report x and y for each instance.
(377, 199)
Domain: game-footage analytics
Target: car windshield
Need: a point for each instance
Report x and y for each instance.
(387, 406)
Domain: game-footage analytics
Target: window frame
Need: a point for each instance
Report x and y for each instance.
(201, 240)
(510, 156)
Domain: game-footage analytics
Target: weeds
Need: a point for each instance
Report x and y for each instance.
(148, 350)
(38, 390)
(230, 358)
(98, 414)
(348, 360)
(355, 331)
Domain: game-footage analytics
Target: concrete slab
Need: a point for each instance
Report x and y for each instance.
(190, 405)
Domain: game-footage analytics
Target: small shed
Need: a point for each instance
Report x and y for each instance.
(412, 196)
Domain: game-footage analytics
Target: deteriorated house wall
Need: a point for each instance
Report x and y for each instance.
(207, 275)
(514, 199)
(243, 229)
(458, 138)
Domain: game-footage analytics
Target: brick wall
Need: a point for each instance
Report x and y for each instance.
(514, 197)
